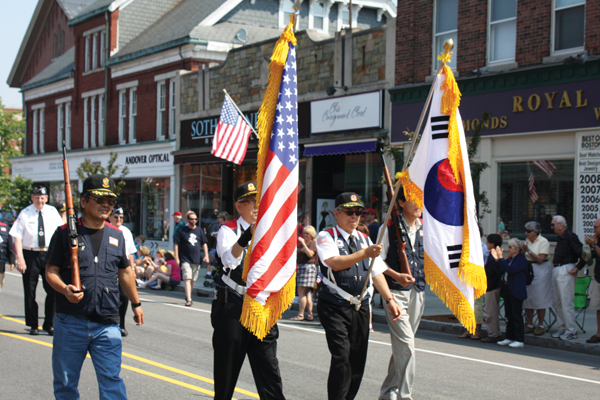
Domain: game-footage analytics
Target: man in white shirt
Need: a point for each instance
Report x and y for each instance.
(116, 218)
(345, 255)
(31, 233)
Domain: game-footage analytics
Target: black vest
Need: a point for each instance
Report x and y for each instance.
(4, 244)
(234, 274)
(416, 260)
(99, 280)
(351, 280)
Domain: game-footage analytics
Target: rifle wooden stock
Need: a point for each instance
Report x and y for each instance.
(404, 266)
(71, 224)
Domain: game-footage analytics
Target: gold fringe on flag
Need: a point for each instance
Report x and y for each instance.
(450, 295)
(412, 192)
(258, 319)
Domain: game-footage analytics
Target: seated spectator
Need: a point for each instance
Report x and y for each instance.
(171, 277)
(139, 241)
(140, 262)
(514, 291)
(492, 295)
(539, 292)
(306, 275)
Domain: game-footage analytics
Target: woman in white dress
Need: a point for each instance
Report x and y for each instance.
(539, 293)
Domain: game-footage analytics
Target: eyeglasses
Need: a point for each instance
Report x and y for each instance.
(511, 247)
(111, 201)
(351, 213)
(117, 216)
(252, 200)
(528, 230)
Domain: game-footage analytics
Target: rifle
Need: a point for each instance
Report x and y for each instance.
(71, 224)
(399, 227)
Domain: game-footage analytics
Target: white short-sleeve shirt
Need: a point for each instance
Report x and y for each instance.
(26, 226)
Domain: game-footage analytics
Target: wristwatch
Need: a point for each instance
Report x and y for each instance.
(388, 300)
(136, 305)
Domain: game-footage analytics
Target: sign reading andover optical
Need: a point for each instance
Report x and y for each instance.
(361, 111)
(587, 197)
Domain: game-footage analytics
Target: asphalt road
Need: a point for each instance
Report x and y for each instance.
(170, 357)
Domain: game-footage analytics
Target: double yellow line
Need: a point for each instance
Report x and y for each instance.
(141, 371)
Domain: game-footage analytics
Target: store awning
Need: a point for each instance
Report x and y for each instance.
(324, 149)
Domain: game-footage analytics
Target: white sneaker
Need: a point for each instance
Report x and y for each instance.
(505, 342)
(569, 336)
(558, 334)
(516, 344)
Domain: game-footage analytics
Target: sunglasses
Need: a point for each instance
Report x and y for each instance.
(528, 230)
(111, 201)
(252, 200)
(192, 219)
(351, 213)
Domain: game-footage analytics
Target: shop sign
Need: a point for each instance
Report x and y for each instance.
(200, 132)
(361, 111)
(566, 106)
(148, 159)
(587, 197)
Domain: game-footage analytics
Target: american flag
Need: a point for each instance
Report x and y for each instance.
(545, 166)
(232, 135)
(273, 256)
(533, 196)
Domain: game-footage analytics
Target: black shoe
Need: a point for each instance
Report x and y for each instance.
(34, 331)
(124, 332)
(50, 331)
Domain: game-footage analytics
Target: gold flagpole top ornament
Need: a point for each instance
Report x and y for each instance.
(447, 54)
(448, 45)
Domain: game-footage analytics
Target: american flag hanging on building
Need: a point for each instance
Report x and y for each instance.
(545, 166)
(533, 196)
(270, 271)
(232, 134)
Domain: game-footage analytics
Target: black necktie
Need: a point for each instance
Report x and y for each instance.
(41, 238)
(352, 244)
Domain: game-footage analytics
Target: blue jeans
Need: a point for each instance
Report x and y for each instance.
(74, 336)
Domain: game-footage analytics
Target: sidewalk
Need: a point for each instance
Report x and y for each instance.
(437, 317)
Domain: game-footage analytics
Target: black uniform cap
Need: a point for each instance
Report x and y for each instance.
(244, 190)
(99, 185)
(40, 191)
(348, 200)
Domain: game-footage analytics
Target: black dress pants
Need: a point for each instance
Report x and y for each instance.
(513, 310)
(347, 333)
(36, 266)
(231, 343)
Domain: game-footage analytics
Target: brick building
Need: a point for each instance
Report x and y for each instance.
(534, 66)
(104, 76)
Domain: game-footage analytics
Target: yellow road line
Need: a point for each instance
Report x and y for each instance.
(145, 361)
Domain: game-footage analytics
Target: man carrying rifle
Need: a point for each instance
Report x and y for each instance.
(410, 298)
(88, 321)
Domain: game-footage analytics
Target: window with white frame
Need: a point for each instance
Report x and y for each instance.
(569, 25)
(101, 133)
(42, 129)
(132, 115)
(502, 31)
(35, 128)
(60, 125)
(161, 108)
(38, 129)
(172, 108)
(344, 13)
(68, 125)
(93, 121)
(102, 48)
(122, 115)
(95, 51)
(446, 27)
(86, 118)
(319, 16)
(286, 8)
(88, 56)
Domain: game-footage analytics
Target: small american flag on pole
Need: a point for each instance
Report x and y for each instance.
(532, 192)
(232, 134)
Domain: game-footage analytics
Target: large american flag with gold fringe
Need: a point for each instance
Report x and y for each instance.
(439, 182)
(270, 270)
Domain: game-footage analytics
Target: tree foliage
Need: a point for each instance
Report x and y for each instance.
(87, 168)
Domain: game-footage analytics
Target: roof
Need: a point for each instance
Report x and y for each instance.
(175, 26)
(73, 7)
(61, 68)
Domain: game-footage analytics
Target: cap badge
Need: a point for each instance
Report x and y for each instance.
(251, 187)
(353, 197)
(105, 183)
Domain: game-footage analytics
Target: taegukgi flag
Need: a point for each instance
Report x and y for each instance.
(270, 264)
(439, 182)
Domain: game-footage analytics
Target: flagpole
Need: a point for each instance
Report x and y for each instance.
(239, 112)
(448, 45)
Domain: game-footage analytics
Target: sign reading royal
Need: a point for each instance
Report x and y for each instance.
(354, 112)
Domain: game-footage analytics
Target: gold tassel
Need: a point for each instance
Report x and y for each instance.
(449, 294)
(412, 192)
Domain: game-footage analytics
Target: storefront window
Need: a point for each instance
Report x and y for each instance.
(549, 183)
(146, 207)
(201, 191)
